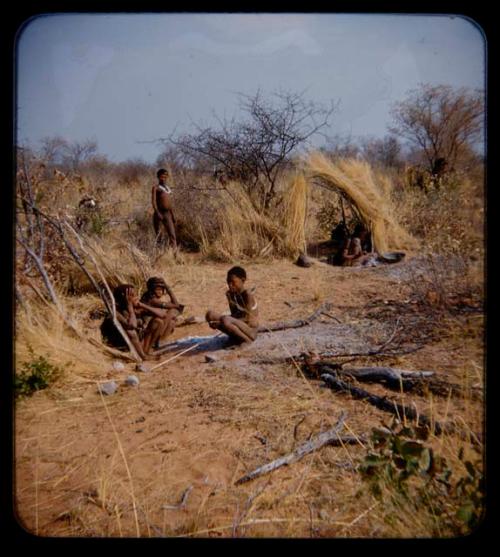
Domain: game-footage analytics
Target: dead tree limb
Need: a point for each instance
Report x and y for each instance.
(420, 382)
(352, 355)
(330, 437)
(296, 323)
(110, 300)
(393, 407)
(383, 403)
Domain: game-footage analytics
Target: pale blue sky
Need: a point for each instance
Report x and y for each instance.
(125, 78)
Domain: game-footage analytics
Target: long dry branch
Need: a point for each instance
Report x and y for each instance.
(397, 379)
(330, 437)
(394, 407)
(296, 323)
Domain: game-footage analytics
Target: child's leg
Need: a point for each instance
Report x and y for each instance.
(213, 319)
(168, 325)
(168, 222)
(135, 340)
(237, 329)
(152, 333)
(157, 228)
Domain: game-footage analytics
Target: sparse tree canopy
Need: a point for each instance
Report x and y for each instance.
(442, 121)
(256, 148)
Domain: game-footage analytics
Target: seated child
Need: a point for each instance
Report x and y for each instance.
(131, 314)
(156, 288)
(242, 324)
(354, 250)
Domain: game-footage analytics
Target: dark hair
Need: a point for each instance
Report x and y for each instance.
(161, 171)
(154, 282)
(119, 294)
(359, 229)
(237, 272)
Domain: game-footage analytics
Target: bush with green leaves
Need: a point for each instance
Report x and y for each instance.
(402, 467)
(35, 375)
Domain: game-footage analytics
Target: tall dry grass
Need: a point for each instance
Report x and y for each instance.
(242, 232)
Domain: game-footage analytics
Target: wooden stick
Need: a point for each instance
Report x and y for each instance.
(174, 357)
(393, 407)
(330, 437)
(296, 323)
(397, 379)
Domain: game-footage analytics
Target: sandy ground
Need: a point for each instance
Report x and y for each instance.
(162, 458)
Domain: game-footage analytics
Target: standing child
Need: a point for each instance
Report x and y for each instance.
(242, 324)
(163, 216)
(156, 289)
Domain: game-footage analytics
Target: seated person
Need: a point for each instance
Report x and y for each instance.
(130, 313)
(353, 252)
(156, 288)
(242, 324)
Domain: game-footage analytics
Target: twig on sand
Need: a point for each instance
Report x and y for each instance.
(329, 437)
(183, 501)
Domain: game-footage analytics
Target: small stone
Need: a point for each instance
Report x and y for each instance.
(303, 261)
(143, 368)
(118, 366)
(210, 359)
(108, 388)
(132, 380)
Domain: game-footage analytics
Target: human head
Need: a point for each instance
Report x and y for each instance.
(236, 277)
(156, 282)
(162, 174)
(360, 230)
(120, 295)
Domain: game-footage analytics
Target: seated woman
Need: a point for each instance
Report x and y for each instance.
(354, 252)
(156, 288)
(242, 324)
(131, 313)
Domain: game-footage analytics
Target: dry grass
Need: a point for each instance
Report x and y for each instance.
(356, 181)
(93, 467)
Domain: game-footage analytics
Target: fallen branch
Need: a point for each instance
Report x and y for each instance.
(420, 382)
(296, 323)
(330, 437)
(353, 355)
(393, 407)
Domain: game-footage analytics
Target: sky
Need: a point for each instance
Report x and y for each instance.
(126, 80)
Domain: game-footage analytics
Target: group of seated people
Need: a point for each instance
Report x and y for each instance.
(151, 318)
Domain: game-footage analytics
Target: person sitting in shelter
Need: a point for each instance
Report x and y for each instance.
(354, 252)
(242, 325)
(131, 313)
(156, 289)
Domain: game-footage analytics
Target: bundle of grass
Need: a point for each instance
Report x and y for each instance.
(241, 230)
(355, 181)
(294, 215)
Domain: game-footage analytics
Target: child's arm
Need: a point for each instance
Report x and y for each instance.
(156, 311)
(131, 322)
(357, 250)
(153, 200)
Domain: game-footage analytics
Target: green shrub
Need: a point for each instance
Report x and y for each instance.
(35, 375)
(402, 468)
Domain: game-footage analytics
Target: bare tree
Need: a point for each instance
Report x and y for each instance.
(443, 122)
(385, 151)
(256, 148)
(341, 146)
